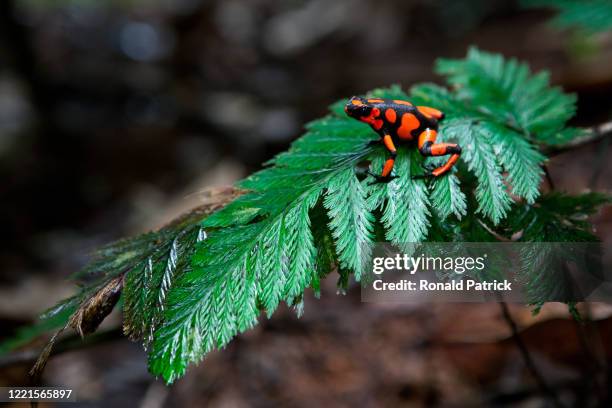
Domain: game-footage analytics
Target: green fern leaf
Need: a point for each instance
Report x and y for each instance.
(557, 219)
(519, 159)
(274, 268)
(498, 112)
(282, 242)
(405, 201)
(505, 91)
(491, 192)
(300, 248)
(351, 222)
(468, 128)
(148, 282)
(447, 198)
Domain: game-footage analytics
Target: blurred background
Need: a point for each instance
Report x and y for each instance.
(115, 114)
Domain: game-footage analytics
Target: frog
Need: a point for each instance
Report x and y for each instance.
(398, 121)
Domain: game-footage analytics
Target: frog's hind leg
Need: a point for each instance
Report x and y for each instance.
(429, 147)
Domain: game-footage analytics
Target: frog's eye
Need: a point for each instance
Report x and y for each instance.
(357, 107)
(364, 110)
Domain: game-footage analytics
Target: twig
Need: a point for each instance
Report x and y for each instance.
(70, 343)
(549, 179)
(591, 344)
(155, 396)
(505, 398)
(490, 230)
(591, 135)
(529, 363)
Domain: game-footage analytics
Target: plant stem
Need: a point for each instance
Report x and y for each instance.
(549, 179)
(591, 344)
(591, 135)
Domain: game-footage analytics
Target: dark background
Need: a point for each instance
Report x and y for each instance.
(114, 115)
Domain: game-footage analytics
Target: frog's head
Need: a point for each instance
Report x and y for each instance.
(358, 107)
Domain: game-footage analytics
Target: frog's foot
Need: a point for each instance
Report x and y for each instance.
(376, 142)
(380, 179)
(428, 172)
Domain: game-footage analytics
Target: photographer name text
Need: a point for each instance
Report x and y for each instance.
(455, 285)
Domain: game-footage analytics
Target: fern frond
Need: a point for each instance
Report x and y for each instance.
(558, 222)
(519, 159)
(405, 202)
(507, 93)
(281, 242)
(447, 198)
(350, 221)
(192, 286)
(497, 112)
(147, 284)
(557, 217)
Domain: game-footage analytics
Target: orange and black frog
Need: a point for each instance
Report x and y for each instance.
(398, 121)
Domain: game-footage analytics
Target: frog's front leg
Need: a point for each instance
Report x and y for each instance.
(429, 147)
(385, 176)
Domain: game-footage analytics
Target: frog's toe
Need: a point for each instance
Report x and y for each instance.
(429, 167)
(426, 175)
(380, 179)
